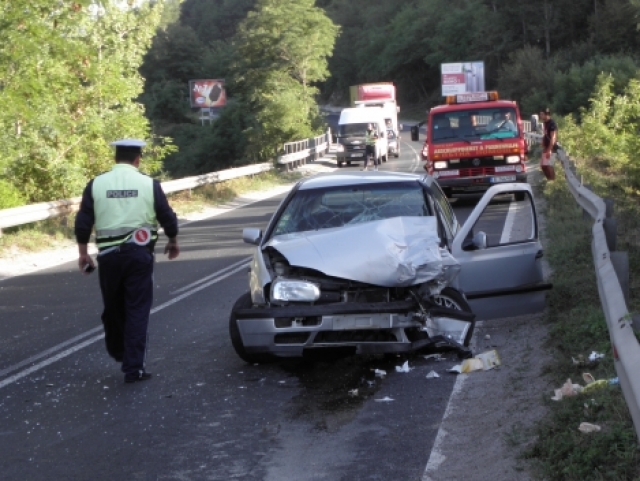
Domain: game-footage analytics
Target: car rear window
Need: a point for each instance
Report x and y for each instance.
(342, 206)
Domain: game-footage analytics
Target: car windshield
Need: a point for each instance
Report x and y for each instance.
(317, 209)
(352, 130)
(474, 124)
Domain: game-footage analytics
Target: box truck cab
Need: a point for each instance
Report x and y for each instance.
(475, 141)
(352, 128)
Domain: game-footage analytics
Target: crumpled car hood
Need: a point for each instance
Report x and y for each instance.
(395, 252)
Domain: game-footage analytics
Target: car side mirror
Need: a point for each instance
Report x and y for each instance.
(252, 235)
(477, 242)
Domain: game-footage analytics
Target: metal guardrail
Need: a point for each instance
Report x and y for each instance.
(626, 349)
(298, 153)
(295, 154)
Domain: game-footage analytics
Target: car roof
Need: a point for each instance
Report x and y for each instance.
(321, 181)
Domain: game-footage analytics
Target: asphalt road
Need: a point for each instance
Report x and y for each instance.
(65, 412)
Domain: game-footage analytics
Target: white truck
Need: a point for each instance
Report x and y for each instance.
(382, 95)
(352, 128)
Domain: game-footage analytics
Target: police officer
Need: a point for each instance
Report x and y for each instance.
(125, 206)
(370, 138)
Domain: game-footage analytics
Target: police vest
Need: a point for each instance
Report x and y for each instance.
(122, 203)
(370, 139)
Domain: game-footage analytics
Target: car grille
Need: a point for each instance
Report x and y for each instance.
(291, 338)
(360, 335)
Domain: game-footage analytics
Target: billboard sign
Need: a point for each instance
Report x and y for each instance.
(462, 78)
(207, 93)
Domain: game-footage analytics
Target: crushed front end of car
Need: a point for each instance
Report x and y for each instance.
(382, 286)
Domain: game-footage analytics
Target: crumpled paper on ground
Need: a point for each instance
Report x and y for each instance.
(589, 428)
(568, 389)
(482, 362)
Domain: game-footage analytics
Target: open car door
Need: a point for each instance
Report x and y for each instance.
(501, 255)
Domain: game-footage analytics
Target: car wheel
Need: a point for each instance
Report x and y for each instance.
(348, 162)
(244, 302)
(397, 154)
(339, 163)
(520, 196)
(453, 299)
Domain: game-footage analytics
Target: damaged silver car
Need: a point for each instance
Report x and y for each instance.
(373, 262)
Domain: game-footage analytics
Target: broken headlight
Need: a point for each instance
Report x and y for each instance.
(287, 290)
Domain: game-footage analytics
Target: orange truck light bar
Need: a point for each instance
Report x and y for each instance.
(472, 97)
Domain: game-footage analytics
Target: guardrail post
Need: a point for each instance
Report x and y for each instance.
(610, 226)
(609, 203)
(620, 261)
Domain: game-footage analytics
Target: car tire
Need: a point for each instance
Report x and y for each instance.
(339, 163)
(397, 154)
(453, 299)
(348, 162)
(244, 302)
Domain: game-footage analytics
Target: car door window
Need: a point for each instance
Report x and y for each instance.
(508, 219)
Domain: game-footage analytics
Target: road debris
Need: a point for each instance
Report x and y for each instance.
(482, 362)
(594, 356)
(432, 375)
(589, 428)
(380, 373)
(567, 390)
(385, 399)
(353, 392)
(404, 368)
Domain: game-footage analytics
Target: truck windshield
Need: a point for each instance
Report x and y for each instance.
(352, 130)
(489, 123)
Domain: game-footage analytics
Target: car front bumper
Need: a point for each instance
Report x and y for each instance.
(365, 328)
(478, 183)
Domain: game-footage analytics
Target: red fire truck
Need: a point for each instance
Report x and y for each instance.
(474, 141)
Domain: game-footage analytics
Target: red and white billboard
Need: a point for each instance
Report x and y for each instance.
(462, 78)
(207, 93)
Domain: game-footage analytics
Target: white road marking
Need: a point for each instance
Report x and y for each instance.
(415, 163)
(437, 458)
(508, 223)
(204, 279)
(215, 278)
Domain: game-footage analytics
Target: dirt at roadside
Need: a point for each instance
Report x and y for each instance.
(492, 415)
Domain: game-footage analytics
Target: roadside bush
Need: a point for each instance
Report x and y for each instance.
(10, 196)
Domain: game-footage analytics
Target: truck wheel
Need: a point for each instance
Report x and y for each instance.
(453, 299)
(244, 302)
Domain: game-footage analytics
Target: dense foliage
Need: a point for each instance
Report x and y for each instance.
(69, 77)
(73, 73)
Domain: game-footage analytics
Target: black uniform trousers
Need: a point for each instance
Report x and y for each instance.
(126, 282)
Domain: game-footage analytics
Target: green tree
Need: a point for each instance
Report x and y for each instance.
(283, 47)
(70, 77)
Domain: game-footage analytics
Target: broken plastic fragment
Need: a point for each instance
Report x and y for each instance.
(404, 368)
(385, 399)
(589, 428)
(437, 357)
(380, 372)
(599, 384)
(432, 375)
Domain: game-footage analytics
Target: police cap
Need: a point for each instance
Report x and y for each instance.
(130, 146)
